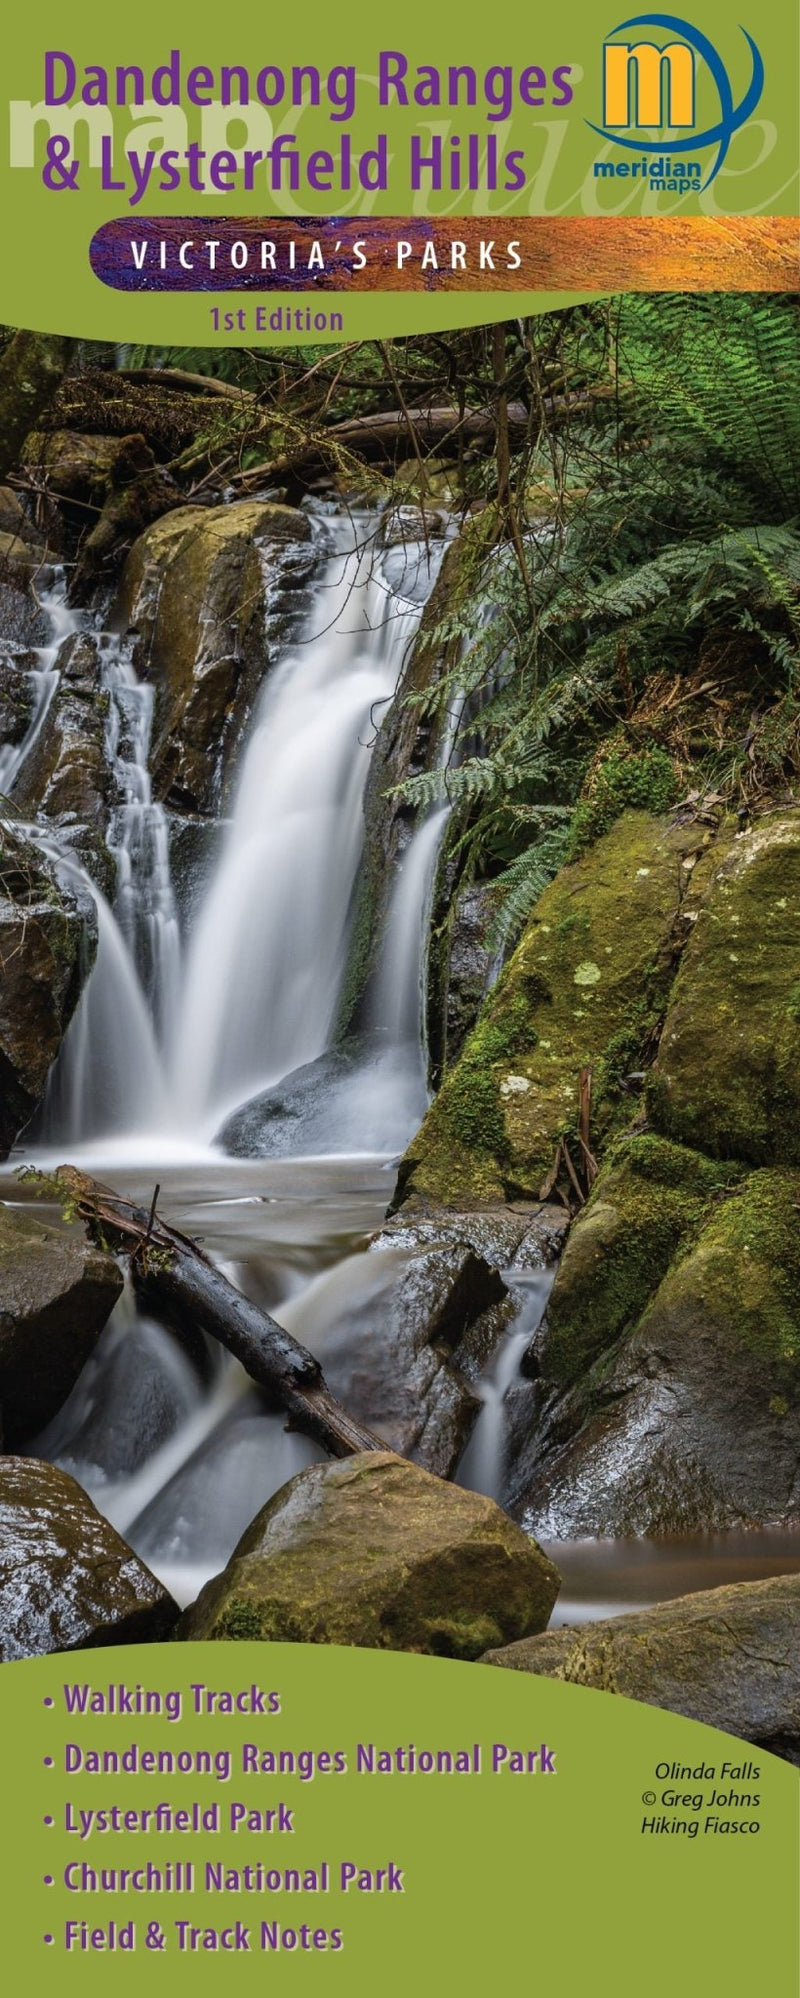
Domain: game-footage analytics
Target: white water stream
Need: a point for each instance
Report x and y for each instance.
(164, 1045)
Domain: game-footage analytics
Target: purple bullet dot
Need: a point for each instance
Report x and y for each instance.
(48, 1821)
(48, 1880)
(48, 1702)
(48, 1762)
(48, 1939)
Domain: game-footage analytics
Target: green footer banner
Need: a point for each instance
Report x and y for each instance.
(404, 1819)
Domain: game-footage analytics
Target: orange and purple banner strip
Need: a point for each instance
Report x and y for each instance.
(461, 254)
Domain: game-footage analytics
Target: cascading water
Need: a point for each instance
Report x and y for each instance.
(482, 1467)
(184, 1043)
(139, 840)
(266, 961)
(110, 1075)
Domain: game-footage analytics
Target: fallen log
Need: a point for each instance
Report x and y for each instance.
(395, 434)
(172, 1275)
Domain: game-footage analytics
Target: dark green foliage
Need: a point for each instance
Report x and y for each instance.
(672, 538)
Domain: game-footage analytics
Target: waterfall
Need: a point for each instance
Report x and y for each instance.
(266, 961)
(139, 839)
(168, 1044)
(110, 1075)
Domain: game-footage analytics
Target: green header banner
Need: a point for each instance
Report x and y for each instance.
(162, 181)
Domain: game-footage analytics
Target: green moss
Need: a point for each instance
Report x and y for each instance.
(751, 1272)
(649, 1203)
(627, 780)
(585, 988)
(727, 1076)
(240, 1621)
(476, 1111)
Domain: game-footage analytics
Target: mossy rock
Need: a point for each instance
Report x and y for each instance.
(728, 1657)
(691, 1421)
(374, 1551)
(72, 464)
(56, 1294)
(650, 1199)
(585, 987)
(192, 593)
(727, 1077)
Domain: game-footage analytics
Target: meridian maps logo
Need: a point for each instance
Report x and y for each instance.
(653, 86)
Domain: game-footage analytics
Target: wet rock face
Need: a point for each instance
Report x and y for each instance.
(47, 943)
(405, 1332)
(470, 965)
(22, 620)
(195, 844)
(192, 593)
(66, 776)
(590, 972)
(56, 1294)
(373, 1551)
(16, 699)
(728, 1657)
(398, 1354)
(668, 1390)
(67, 1580)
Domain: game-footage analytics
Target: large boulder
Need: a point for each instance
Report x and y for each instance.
(15, 521)
(374, 1551)
(47, 944)
(584, 988)
(351, 1098)
(727, 1076)
(56, 1293)
(67, 1580)
(728, 1657)
(689, 1419)
(303, 1113)
(193, 594)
